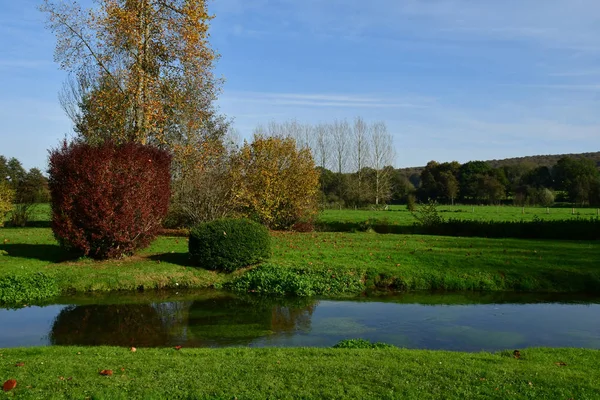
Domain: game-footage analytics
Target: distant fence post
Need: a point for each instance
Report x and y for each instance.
(573, 211)
(523, 210)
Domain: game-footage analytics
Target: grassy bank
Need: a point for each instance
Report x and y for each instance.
(321, 263)
(307, 373)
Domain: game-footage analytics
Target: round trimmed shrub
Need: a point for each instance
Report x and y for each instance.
(229, 244)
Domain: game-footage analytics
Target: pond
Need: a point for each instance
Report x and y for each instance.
(465, 322)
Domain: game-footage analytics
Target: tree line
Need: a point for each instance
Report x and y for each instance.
(20, 190)
(571, 179)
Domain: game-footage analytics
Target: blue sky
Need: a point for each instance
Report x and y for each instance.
(453, 79)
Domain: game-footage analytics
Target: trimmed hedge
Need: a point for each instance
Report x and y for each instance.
(567, 229)
(229, 244)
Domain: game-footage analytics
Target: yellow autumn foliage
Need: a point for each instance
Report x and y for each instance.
(7, 196)
(275, 183)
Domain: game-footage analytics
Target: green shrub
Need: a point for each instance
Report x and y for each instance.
(361, 344)
(15, 289)
(277, 280)
(229, 244)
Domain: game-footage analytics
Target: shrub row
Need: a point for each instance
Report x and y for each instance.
(569, 229)
(18, 289)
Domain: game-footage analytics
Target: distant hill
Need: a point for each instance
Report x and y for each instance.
(536, 161)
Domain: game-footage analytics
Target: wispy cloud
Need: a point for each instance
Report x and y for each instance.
(323, 100)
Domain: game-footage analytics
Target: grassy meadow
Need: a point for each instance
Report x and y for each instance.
(399, 215)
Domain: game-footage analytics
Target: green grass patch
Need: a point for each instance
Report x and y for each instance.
(328, 264)
(413, 262)
(301, 373)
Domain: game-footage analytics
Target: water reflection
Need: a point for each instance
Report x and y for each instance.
(221, 321)
(467, 322)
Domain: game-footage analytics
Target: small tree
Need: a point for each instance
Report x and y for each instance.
(7, 196)
(108, 201)
(277, 184)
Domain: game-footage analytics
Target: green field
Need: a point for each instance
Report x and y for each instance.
(409, 262)
(301, 373)
(399, 215)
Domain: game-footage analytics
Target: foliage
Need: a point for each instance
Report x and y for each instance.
(229, 244)
(7, 196)
(271, 279)
(579, 177)
(428, 216)
(573, 229)
(202, 190)
(26, 288)
(276, 184)
(108, 201)
(361, 344)
(411, 203)
(142, 68)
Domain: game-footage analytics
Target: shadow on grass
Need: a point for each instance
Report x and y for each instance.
(182, 259)
(43, 252)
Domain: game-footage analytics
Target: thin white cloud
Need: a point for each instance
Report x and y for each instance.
(323, 100)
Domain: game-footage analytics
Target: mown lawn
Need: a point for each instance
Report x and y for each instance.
(396, 261)
(300, 373)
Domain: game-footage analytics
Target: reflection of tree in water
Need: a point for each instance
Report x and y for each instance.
(115, 325)
(217, 321)
(236, 321)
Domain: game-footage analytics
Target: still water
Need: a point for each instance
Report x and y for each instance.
(466, 322)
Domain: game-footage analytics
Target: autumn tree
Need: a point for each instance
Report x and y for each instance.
(7, 196)
(276, 183)
(141, 70)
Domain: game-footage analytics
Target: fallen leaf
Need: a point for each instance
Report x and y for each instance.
(177, 347)
(106, 372)
(530, 384)
(122, 369)
(62, 378)
(20, 364)
(561, 364)
(133, 349)
(517, 354)
(9, 385)
(70, 378)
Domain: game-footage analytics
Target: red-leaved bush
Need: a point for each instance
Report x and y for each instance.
(108, 200)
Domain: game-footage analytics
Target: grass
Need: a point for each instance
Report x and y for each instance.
(162, 265)
(399, 215)
(301, 373)
(304, 264)
(451, 263)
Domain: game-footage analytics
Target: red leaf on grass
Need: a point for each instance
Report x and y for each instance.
(9, 385)
(20, 364)
(133, 349)
(106, 372)
(561, 364)
(177, 347)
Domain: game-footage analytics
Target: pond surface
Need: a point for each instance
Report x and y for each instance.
(466, 322)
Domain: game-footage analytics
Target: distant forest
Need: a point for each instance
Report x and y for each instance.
(535, 180)
(534, 161)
